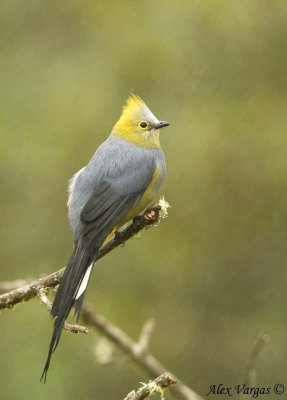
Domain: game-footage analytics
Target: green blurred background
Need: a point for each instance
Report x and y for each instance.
(213, 275)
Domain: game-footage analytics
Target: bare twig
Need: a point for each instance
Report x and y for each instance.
(143, 358)
(250, 375)
(24, 293)
(103, 350)
(68, 327)
(145, 335)
(261, 339)
(157, 385)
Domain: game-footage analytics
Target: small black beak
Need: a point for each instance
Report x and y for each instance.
(161, 124)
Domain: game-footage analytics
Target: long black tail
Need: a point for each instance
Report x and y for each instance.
(83, 255)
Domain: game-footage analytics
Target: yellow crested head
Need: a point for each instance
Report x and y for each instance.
(137, 124)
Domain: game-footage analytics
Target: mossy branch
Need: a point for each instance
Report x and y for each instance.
(148, 389)
(30, 290)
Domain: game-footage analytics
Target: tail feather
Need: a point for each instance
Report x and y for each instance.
(58, 326)
(66, 294)
(80, 296)
(78, 305)
(71, 285)
(65, 282)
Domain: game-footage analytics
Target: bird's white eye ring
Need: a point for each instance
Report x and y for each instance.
(143, 124)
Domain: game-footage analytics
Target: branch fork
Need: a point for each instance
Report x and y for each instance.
(137, 351)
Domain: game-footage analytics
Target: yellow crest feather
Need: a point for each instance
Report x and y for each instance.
(133, 105)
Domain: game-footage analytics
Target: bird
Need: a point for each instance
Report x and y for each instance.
(119, 182)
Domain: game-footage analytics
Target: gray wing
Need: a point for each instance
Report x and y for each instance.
(112, 199)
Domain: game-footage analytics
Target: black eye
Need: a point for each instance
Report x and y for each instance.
(143, 124)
